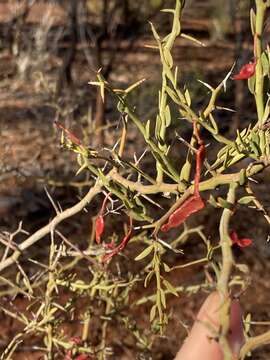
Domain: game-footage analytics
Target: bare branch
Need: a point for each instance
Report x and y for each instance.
(39, 234)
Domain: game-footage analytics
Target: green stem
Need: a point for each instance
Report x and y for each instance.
(176, 26)
(162, 130)
(261, 7)
(225, 274)
(172, 172)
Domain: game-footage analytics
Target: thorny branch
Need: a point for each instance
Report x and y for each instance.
(39, 234)
(225, 273)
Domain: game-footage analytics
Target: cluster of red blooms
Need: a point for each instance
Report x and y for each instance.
(99, 229)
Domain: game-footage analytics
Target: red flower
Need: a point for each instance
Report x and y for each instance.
(246, 71)
(68, 356)
(69, 134)
(244, 242)
(76, 340)
(117, 249)
(194, 203)
(100, 225)
(82, 357)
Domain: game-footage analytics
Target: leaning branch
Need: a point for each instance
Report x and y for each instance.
(253, 343)
(39, 234)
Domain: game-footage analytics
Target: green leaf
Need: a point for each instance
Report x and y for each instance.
(144, 253)
(173, 95)
(224, 203)
(255, 138)
(168, 57)
(147, 129)
(252, 21)
(227, 154)
(158, 126)
(212, 201)
(255, 148)
(265, 64)
(242, 177)
(170, 288)
(187, 97)
(185, 172)
(251, 84)
(148, 278)
(246, 200)
(166, 267)
(168, 118)
(266, 111)
(153, 313)
(235, 159)
(163, 298)
(247, 323)
(156, 36)
(175, 76)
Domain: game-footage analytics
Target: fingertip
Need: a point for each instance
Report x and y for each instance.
(201, 343)
(236, 336)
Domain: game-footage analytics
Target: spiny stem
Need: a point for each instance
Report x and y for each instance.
(261, 7)
(226, 269)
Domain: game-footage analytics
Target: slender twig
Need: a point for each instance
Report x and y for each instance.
(258, 204)
(39, 234)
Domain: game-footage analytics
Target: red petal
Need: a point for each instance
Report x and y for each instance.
(69, 134)
(240, 242)
(68, 355)
(234, 237)
(116, 250)
(189, 207)
(244, 242)
(99, 228)
(82, 357)
(246, 72)
(76, 340)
